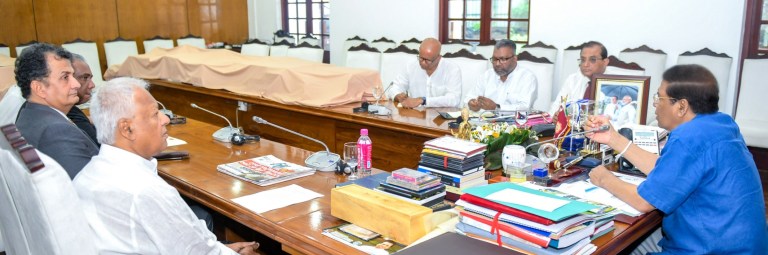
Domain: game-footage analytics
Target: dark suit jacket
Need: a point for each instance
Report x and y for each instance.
(83, 123)
(53, 134)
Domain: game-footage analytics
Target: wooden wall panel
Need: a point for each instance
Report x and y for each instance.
(143, 19)
(18, 23)
(219, 20)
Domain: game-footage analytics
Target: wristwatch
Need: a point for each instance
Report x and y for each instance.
(423, 100)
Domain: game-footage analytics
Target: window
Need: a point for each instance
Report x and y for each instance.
(303, 17)
(756, 29)
(484, 20)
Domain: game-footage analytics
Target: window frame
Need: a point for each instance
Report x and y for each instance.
(752, 23)
(323, 35)
(485, 22)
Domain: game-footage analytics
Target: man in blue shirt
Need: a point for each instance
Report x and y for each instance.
(705, 181)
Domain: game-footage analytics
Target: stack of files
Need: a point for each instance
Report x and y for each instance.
(413, 186)
(458, 163)
(526, 220)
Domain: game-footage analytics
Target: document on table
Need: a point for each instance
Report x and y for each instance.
(276, 198)
(173, 141)
(527, 199)
(587, 190)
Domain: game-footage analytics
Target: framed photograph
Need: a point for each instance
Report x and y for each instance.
(624, 99)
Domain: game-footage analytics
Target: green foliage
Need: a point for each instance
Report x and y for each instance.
(520, 136)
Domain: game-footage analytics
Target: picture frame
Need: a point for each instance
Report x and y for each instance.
(623, 98)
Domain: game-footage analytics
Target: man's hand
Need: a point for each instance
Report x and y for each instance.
(245, 248)
(486, 103)
(600, 175)
(412, 102)
(604, 137)
(401, 97)
(474, 105)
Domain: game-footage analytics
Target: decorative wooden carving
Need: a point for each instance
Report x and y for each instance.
(644, 48)
(3, 45)
(527, 56)
(457, 41)
(119, 39)
(78, 40)
(190, 36)
(28, 43)
(256, 41)
(491, 42)
(26, 152)
(364, 47)
(540, 44)
(403, 49)
(383, 39)
(412, 40)
(464, 53)
(306, 45)
(705, 52)
(356, 38)
(308, 36)
(157, 37)
(615, 62)
(286, 43)
(577, 47)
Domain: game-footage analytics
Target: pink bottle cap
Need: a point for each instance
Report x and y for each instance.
(364, 131)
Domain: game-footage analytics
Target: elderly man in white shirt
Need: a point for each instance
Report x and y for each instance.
(507, 86)
(431, 83)
(131, 209)
(593, 60)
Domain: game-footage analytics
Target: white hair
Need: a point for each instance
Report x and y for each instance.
(112, 102)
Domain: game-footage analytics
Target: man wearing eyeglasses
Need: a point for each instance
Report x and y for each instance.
(705, 181)
(84, 76)
(431, 83)
(507, 86)
(593, 60)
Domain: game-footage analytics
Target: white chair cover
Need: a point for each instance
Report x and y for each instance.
(542, 52)
(349, 43)
(255, 49)
(118, 51)
(150, 45)
(364, 59)
(287, 39)
(10, 105)
(569, 65)
(305, 53)
(623, 71)
(720, 66)
(19, 49)
(654, 63)
(471, 71)
(90, 52)
(485, 50)
(545, 73)
(278, 50)
(192, 41)
(383, 45)
(454, 47)
(393, 64)
(5, 50)
(310, 41)
(412, 43)
(750, 115)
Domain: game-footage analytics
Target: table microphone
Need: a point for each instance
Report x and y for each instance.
(599, 129)
(321, 161)
(224, 134)
(165, 111)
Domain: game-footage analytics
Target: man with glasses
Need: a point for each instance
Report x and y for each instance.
(705, 181)
(84, 76)
(507, 86)
(431, 83)
(593, 60)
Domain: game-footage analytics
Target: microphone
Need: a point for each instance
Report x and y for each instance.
(324, 161)
(224, 134)
(599, 129)
(165, 111)
(380, 109)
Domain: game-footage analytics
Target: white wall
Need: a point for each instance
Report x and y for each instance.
(267, 19)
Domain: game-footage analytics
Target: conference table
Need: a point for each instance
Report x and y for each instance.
(298, 228)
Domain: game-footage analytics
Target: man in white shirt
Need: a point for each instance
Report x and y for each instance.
(611, 108)
(507, 86)
(431, 83)
(131, 209)
(627, 113)
(593, 60)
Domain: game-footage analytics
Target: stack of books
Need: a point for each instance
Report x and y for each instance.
(458, 163)
(413, 186)
(526, 220)
(265, 170)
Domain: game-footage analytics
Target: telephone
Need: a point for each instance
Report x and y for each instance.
(645, 137)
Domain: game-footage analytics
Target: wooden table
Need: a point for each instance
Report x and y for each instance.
(397, 138)
(297, 227)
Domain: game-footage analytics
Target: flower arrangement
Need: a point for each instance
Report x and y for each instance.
(498, 135)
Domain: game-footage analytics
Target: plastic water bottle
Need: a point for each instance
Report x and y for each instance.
(364, 149)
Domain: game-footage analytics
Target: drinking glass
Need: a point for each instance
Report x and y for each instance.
(377, 93)
(350, 157)
(521, 117)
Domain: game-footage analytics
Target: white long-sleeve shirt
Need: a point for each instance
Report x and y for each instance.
(574, 87)
(442, 88)
(518, 92)
(134, 211)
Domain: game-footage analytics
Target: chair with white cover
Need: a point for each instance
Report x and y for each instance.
(306, 52)
(654, 62)
(41, 212)
(90, 53)
(23, 46)
(191, 40)
(5, 50)
(453, 46)
(279, 49)
(363, 56)
(255, 47)
(118, 50)
(568, 65)
(349, 43)
(383, 44)
(393, 62)
(750, 115)
(619, 67)
(412, 43)
(544, 70)
(472, 67)
(10, 105)
(486, 49)
(282, 36)
(542, 50)
(310, 39)
(720, 66)
(157, 42)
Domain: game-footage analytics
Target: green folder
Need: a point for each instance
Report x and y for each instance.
(572, 208)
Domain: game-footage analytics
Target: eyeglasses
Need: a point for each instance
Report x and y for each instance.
(426, 60)
(591, 60)
(656, 98)
(494, 60)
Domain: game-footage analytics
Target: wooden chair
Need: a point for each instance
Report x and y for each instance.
(544, 70)
(569, 65)
(191, 40)
(472, 67)
(654, 62)
(619, 67)
(90, 52)
(255, 47)
(383, 44)
(282, 36)
(750, 116)
(349, 43)
(118, 50)
(157, 42)
(393, 62)
(280, 49)
(363, 56)
(23, 46)
(486, 49)
(720, 66)
(412, 43)
(311, 40)
(307, 52)
(5, 50)
(542, 50)
(41, 212)
(10, 105)
(453, 46)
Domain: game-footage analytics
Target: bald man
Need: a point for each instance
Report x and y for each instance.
(429, 81)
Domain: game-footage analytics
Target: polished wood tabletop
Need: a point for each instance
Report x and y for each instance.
(297, 227)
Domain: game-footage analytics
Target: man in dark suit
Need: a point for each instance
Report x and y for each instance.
(84, 76)
(45, 75)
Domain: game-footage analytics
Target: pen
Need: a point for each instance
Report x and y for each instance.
(590, 189)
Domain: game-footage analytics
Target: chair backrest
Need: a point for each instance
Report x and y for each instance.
(306, 52)
(41, 212)
(393, 62)
(383, 44)
(5, 50)
(544, 70)
(542, 50)
(157, 42)
(472, 67)
(255, 47)
(118, 50)
(279, 49)
(22, 46)
(10, 105)
(191, 40)
(485, 50)
(412, 43)
(310, 40)
(569, 65)
(363, 56)
(654, 62)
(453, 46)
(720, 66)
(619, 67)
(749, 113)
(90, 52)
(349, 43)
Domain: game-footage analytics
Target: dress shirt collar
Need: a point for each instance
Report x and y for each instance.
(110, 151)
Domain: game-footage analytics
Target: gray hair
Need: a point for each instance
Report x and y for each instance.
(112, 102)
(506, 43)
(78, 57)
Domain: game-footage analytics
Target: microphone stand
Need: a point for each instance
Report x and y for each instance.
(224, 134)
(576, 160)
(321, 161)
